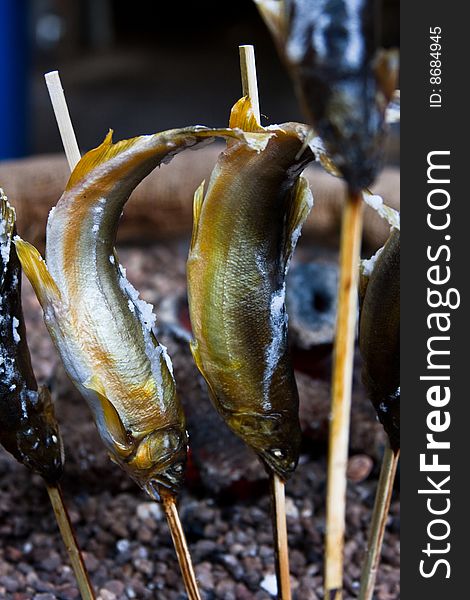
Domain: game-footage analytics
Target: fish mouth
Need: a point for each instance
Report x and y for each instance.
(282, 465)
(167, 477)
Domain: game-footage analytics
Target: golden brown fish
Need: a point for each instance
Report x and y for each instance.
(245, 231)
(102, 330)
(28, 428)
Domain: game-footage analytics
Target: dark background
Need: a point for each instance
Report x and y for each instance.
(137, 67)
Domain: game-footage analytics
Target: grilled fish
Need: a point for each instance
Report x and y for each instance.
(379, 336)
(245, 231)
(28, 428)
(102, 330)
(343, 79)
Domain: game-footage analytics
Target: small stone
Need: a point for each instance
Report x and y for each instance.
(51, 563)
(10, 584)
(91, 562)
(149, 510)
(144, 566)
(291, 509)
(123, 545)
(105, 594)
(69, 593)
(204, 575)
(27, 547)
(115, 586)
(269, 584)
(359, 468)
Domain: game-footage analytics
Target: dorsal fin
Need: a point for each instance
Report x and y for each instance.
(243, 117)
(104, 152)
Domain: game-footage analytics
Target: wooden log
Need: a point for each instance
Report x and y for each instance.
(161, 206)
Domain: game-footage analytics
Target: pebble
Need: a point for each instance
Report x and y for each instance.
(149, 510)
(269, 584)
(10, 584)
(105, 594)
(125, 537)
(291, 509)
(123, 545)
(359, 467)
(115, 586)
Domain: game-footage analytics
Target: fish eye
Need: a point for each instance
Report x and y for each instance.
(175, 469)
(277, 453)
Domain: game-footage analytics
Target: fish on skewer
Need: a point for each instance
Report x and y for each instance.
(379, 340)
(101, 328)
(344, 82)
(245, 230)
(379, 334)
(343, 78)
(28, 427)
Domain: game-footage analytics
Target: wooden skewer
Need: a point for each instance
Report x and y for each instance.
(72, 152)
(181, 547)
(250, 88)
(351, 231)
(379, 519)
(70, 542)
(61, 111)
(280, 537)
(249, 78)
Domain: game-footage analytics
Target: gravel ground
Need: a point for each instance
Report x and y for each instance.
(225, 512)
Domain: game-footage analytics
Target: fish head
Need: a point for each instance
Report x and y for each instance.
(275, 437)
(160, 461)
(39, 442)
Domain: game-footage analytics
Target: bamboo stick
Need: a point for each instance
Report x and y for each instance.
(70, 542)
(351, 231)
(62, 115)
(181, 547)
(379, 519)
(250, 89)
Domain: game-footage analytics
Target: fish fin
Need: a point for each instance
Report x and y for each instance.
(301, 202)
(197, 207)
(243, 117)
(36, 271)
(197, 357)
(112, 420)
(104, 152)
(273, 13)
(194, 351)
